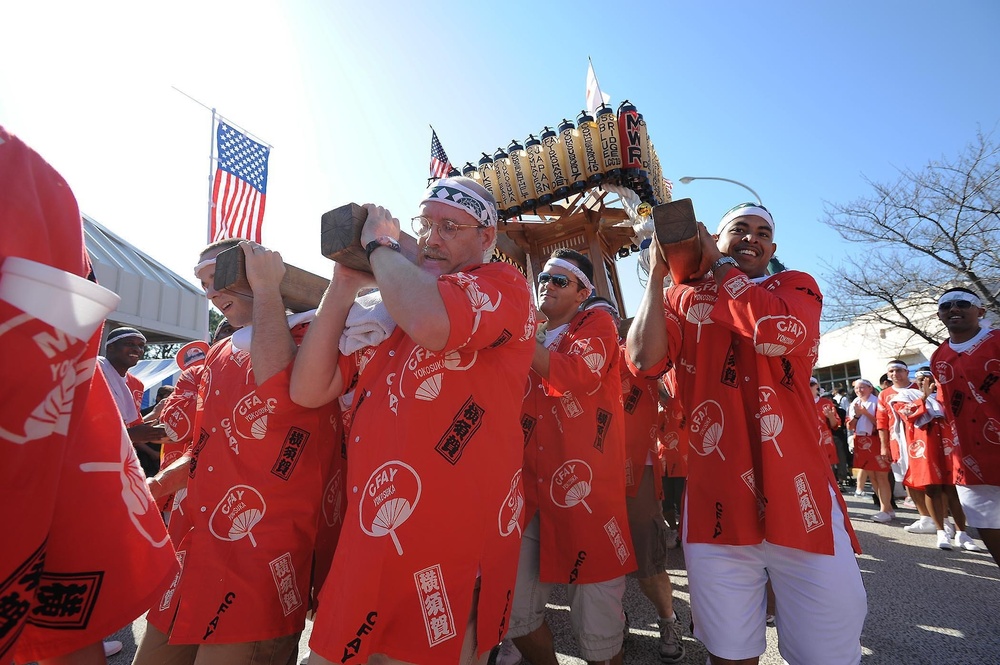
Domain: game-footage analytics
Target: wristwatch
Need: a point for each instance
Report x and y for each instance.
(723, 260)
(381, 241)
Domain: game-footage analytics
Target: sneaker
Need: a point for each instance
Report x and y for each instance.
(883, 517)
(963, 541)
(860, 493)
(908, 503)
(922, 525)
(111, 647)
(943, 542)
(671, 647)
(949, 529)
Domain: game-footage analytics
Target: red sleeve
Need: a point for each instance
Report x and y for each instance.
(586, 355)
(487, 306)
(178, 413)
(781, 315)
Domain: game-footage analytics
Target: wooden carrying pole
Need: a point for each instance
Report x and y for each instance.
(676, 230)
(300, 290)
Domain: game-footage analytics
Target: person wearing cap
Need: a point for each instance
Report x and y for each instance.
(868, 455)
(577, 530)
(123, 350)
(260, 468)
(761, 500)
(967, 369)
(84, 550)
(424, 569)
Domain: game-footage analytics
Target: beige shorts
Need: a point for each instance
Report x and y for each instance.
(981, 504)
(154, 650)
(649, 531)
(595, 609)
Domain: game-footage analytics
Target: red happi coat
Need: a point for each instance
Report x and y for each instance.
(926, 444)
(177, 417)
(434, 496)
(84, 549)
(260, 469)
(743, 354)
(672, 436)
(968, 391)
(639, 402)
(574, 456)
(885, 418)
(825, 433)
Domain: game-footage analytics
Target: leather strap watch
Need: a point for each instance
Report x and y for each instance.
(724, 260)
(381, 241)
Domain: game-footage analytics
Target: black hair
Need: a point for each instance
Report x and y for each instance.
(581, 261)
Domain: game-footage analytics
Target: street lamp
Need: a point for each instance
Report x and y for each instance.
(688, 179)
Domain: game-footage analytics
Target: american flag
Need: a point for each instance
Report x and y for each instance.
(240, 186)
(668, 185)
(440, 166)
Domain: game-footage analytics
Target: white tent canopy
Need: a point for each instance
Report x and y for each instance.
(155, 300)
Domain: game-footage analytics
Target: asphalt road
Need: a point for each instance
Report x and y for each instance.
(925, 605)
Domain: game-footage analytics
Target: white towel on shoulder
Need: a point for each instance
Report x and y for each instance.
(368, 324)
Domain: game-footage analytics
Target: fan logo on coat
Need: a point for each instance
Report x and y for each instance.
(427, 370)
(777, 335)
(240, 510)
(481, 302)
(204, 388)
(571, 484)
(51, 415)
(176, 424)
(134, 494)
(706, 426)
(771, 419)
(509, 518)
(700, 305)
(390, 497)
(250, 415)
(991, 431)
(438, 618)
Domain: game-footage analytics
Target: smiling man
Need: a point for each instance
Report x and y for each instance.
(259, 468)
(762, 502)
(424, 570)
(123, 350)
(577, 530)
(968, 370)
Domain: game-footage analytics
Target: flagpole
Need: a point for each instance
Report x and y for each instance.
(211, 176)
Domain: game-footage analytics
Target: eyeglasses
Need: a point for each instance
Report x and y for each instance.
(562, 281)
(446, 228)
(960, 304)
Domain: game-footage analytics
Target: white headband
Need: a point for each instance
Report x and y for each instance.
(744, 210)
(457, 195)
(201, 266)
(958, 296)
(561, 263)
(866, 382)
(122, 333)
(896, 366)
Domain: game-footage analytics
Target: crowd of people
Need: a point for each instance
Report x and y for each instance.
(419, 462)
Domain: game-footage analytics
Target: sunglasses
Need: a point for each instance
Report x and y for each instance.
(562, 281)
(960, 304)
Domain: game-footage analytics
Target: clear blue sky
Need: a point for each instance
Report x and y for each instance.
(799, 100)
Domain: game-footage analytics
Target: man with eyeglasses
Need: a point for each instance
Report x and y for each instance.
(425, 565)
(577, 530)
(761, 500)
(967, 368)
